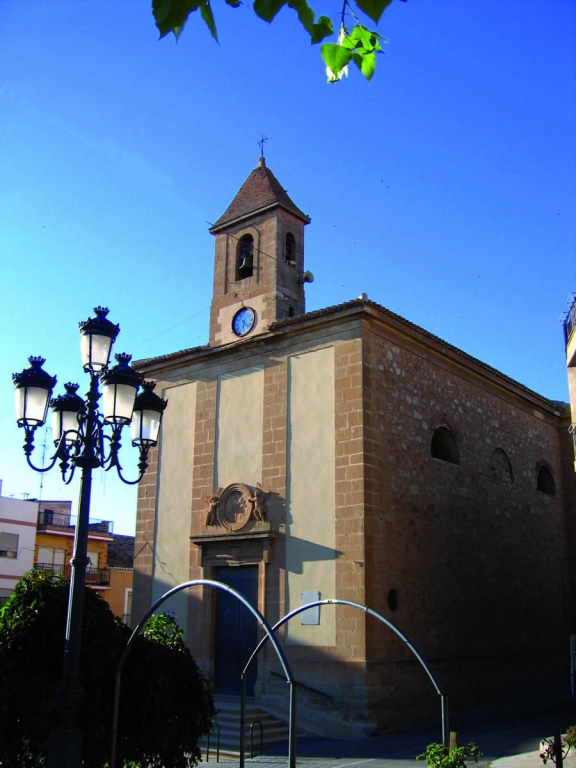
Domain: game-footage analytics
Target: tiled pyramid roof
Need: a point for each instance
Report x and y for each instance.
(260, 191)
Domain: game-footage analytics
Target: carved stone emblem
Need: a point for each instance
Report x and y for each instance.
(258, 502)
(212, 514)
(233, 507)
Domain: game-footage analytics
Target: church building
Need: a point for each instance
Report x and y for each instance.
(347, 453)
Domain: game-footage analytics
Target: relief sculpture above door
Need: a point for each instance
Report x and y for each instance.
(235, 506)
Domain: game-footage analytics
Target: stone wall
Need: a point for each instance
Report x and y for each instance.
(469, 560)
(472, 553)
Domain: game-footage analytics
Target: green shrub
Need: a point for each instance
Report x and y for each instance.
(165, 704)
(549, 751)
(440, 756)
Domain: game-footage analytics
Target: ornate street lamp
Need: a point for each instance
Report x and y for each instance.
(88, 437)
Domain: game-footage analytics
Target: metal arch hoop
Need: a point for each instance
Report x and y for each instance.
(263, 623)
(384, 620)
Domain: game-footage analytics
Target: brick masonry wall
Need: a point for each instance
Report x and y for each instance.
(569, 498)
(476, 561)
(272, 277)
(200, 600)
(144, 539)
(350, 483)
(274, 478)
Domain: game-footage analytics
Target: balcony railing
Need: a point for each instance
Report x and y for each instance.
(94, 576)
(50, 518)
(570, 320)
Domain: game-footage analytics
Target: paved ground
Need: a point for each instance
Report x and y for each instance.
(506, 741)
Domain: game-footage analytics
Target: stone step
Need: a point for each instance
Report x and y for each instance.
(272, 733)
(274, 730)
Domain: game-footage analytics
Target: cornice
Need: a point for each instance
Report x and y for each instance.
(363, 310)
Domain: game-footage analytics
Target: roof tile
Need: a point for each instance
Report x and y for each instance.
(260, 191)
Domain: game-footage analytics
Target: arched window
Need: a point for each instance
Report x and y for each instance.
(545, 481)
(245, 257)
(443, 446)
(500, 466)
(290, 249)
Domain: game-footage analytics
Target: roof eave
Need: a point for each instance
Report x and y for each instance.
(381, 315)
(220, 225)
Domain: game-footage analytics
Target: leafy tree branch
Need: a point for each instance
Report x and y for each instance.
(355, 44)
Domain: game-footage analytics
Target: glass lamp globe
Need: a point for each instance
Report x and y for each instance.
(97, 335)
(147, 417)
(32, 391)
(119, 387)
(66, 410)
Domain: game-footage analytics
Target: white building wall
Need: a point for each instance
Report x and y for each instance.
(175, 472)
(311, 535)
(17, 517)
(239, 428)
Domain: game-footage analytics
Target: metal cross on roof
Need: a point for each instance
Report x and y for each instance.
(261, 144)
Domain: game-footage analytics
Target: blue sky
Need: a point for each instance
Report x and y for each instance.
(445, 188)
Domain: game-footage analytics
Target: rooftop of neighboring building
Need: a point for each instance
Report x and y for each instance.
(121, 552)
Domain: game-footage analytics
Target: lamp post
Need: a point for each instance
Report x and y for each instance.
(85, 436)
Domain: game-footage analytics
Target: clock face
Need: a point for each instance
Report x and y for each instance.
(243, 321)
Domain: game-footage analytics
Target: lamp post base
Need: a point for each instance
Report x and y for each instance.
(65, 748)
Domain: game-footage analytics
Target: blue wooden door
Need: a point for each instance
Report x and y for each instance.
(236, 630)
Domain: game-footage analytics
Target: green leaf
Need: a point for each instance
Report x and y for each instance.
(234, 3)
(305, 14)
(346, 41)
(368, 64)
(373, 8)
(321, 29)
(364, 38)
(357, 59)
(171, 15)
(160, 10)
(208, 16)
(336, 59)
(360, 46)
(267, 9)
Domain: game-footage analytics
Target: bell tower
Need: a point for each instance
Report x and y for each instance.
(259, 260)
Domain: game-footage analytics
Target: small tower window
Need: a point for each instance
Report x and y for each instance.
(545, 482)
(245, 257)
(444, 447)
(290, 250)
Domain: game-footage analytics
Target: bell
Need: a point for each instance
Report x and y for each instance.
(246, 262)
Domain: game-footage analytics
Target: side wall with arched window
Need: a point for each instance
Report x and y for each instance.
(443, 446)
(545, 482)
(477, 548)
